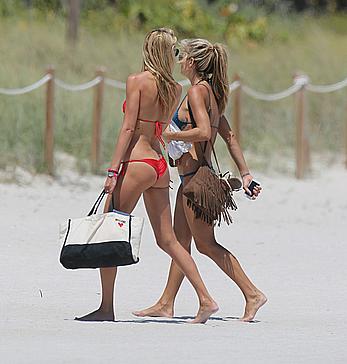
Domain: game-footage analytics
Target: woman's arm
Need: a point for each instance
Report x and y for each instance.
(129, 122)
(234, 148)
(235, 151)
(202, 131)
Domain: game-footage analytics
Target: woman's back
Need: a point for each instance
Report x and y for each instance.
(150, 116)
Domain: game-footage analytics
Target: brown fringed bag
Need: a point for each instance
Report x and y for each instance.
(209, 194)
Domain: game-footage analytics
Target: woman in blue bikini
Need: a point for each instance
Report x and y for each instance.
(205, 65)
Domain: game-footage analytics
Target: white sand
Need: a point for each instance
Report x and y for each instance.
(291, 242)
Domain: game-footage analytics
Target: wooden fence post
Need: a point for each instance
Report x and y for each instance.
(96, 130)
(302, 143)
(73, 15)
(236, 110)
(49, 128)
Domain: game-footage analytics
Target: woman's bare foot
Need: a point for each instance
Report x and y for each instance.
(157, 310)
(205, 311)
(98, 315)
(252, 306)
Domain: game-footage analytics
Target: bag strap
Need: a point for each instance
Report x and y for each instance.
(215, 157)
(194, 126)
(97, 203)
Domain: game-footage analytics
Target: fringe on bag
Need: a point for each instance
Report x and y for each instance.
(210, 197)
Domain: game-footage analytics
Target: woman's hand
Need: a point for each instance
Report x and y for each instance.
(168, 135)
(110, 184)
(246, 180)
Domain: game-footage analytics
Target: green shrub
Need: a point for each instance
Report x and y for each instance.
(47, 5)
(10, 7)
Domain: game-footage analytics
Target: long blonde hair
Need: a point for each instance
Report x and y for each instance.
(211, 64)
(159, 59)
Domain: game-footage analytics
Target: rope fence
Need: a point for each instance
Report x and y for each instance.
(301, 84)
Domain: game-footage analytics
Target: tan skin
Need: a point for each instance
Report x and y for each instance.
(186, 225)
(136, 140)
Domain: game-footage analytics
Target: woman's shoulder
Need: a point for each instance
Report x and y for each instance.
(138, 77)
(139, 81)
(197, 93)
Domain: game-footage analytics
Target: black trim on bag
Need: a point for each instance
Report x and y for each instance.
(66, 235)
(68, 230)
(97, 255)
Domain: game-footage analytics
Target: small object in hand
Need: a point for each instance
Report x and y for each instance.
(251, 187)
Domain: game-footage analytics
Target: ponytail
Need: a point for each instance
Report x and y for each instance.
(211, 64)
(219, 76)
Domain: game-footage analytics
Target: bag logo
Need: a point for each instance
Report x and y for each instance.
(120, 222)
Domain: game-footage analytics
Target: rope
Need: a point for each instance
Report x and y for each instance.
(82, 87)
(235, 85)
(299, 82)
(115, 84)
(327, 88)
(24, 90)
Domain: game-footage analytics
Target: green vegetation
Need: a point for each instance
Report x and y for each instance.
(266, 60)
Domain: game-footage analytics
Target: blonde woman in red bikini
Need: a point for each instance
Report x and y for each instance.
(138, 167)
(200, 117)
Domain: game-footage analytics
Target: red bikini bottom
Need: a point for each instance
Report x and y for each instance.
(159, 165)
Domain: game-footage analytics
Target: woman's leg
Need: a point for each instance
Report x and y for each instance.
(165, 305)
(206, 244)
(158, 208)
(138, 177)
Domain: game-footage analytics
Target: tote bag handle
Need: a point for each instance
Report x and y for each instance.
(97, 203)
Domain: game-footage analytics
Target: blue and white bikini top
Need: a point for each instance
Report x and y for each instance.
(180, 123)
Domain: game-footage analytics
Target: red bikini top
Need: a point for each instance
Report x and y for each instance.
(158, 126)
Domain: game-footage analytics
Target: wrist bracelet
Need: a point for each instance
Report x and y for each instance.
(245, 174)
(111, 173)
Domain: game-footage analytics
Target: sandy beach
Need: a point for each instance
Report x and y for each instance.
(291, 242)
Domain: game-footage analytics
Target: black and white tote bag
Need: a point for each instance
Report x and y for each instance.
(101, 240)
